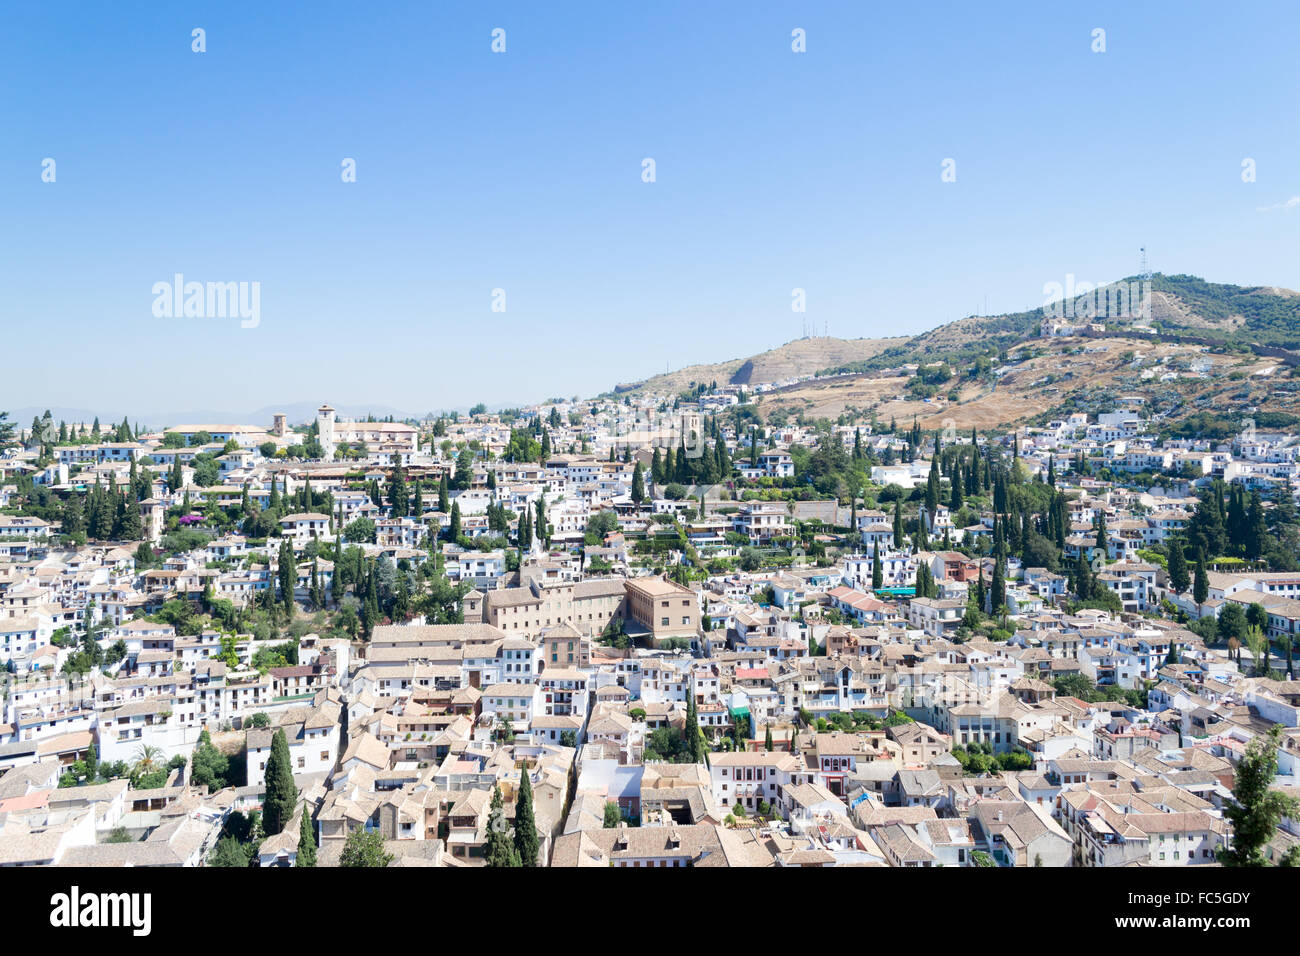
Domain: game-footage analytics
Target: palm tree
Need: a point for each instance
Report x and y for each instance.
(147, 758)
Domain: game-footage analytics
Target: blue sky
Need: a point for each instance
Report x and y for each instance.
(522, 171)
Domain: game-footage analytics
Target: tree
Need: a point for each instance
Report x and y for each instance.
(998, 589)
(306, 842)
(1255, 532)
(1256, 809)
(453, 524)
(365, 848)
(1231, 623)
(525, 532)
(613, 816)
(543, 528)
(399, 501)
(498, 850)
(1201, 586)
(208, 765)
(281, 794)
(1259, 650)
(877, 572)
(228, 852)
(287, 574)
(464, 476)
(1179, 578)
(526, 842)
(767, 739)
(932, 489)
(638, 484)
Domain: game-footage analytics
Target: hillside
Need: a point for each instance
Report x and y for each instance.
(794, 359)
(999, 371)
(1044, 378)
(1237, 315)
(1004, 373)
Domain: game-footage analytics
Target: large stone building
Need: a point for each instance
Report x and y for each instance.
(652, 608)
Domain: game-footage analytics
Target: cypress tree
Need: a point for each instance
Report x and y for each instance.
(499, 850)
(932, 488)
(336, 577)
(692, 731)
(281, 794)
(317, 595)
(877, 572)
(306, 842)
(130, 528)
(526, 842)
(1179, 579)
(1255, 532)
(1201, 586)
(287, 573)
(1083, 585)
(638, 484)
(999, 590)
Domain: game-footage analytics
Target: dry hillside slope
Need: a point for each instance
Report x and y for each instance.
(800, 357)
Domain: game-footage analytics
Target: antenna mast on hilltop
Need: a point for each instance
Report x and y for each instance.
(1146, 273)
